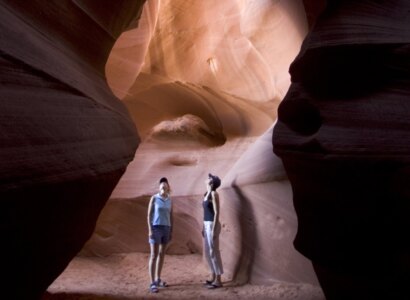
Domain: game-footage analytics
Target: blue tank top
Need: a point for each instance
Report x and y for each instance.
(162, 211)
(209, 212)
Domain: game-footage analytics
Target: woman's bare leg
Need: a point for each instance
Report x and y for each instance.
(153, 261)
(160, 260)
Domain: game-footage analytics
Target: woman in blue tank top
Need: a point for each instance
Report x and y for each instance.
(159, 232)
(211, 231)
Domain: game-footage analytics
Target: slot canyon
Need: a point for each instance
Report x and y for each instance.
(301, 107)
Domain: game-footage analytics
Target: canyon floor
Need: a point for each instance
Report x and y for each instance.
(125, 276)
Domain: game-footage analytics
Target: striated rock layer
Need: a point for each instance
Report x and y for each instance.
(201, 79)
(343, 136)
(204, 99)
(226, 46)
(65, 139)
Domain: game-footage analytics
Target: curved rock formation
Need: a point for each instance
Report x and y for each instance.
(343, 137)
(222, 45)
(219, 66)
(259, 220)
(65, 139)
(226, 64)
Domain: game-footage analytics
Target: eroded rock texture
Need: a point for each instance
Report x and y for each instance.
(65, 139)
(204, 98)
(343, 135)
(202, 80)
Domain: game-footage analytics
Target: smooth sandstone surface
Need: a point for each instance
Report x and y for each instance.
(65, 139)
(203, 98)
(201, 82)
(343, 136)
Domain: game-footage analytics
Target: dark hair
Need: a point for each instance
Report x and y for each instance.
(163, 179)
(216, 181)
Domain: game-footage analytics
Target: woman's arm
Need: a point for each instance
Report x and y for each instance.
(215, 203)
(149, 215)
(171, 218)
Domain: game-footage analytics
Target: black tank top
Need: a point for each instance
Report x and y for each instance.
(209, 212)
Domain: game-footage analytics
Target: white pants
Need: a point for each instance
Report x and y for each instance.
(211, 244)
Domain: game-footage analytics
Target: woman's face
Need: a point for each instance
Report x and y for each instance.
(208, 182)
(164, 188)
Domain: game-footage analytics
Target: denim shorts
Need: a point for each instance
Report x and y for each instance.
(160, 234)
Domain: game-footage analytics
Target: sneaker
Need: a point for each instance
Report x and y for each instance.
(161, 283)
(208, 283)
(214, 286)
(153, 288)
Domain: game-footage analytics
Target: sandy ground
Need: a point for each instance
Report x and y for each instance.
(125, 276)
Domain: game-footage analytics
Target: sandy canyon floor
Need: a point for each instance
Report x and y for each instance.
(125, 276)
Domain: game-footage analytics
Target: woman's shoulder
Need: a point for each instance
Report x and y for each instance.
(155, 196)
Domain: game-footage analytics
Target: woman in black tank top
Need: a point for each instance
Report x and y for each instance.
(210, 231)
(209, 212)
